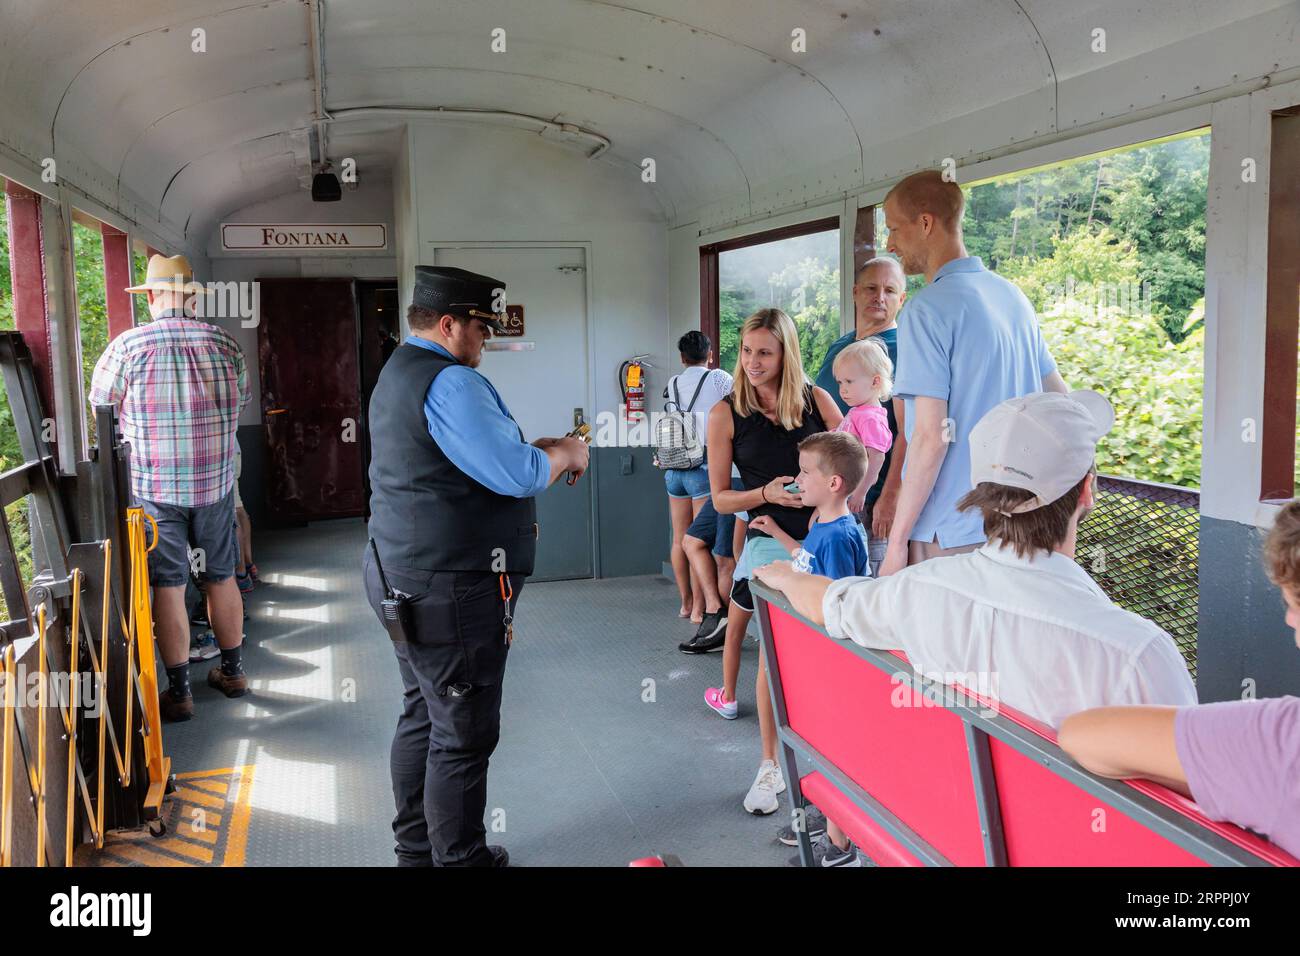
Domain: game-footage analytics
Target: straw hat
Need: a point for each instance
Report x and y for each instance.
(168, 275)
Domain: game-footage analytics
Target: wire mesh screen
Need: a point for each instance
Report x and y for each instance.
(1142, 546)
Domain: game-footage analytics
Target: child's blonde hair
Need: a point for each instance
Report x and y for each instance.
(872, 357)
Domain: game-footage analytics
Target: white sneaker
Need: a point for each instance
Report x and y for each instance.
(761, 798)
(204, 647)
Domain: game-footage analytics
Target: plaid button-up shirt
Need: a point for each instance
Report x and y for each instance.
(181, 385)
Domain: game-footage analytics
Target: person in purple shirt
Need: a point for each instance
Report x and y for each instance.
(1239, 760)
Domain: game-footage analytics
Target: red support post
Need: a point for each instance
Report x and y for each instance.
(117, 276)
(27, 270)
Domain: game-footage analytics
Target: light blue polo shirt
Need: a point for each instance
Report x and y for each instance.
(970, 338)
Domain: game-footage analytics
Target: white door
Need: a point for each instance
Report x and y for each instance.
(544, 380)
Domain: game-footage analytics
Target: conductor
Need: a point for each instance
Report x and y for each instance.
(453, 532)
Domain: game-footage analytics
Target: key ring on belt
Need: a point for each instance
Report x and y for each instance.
(507, 592)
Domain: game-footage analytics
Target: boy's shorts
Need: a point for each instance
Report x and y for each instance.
(209, 528)
(758, 552)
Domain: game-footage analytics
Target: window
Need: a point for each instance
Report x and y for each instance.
(1110, 249)
(139, 271)
(796, 269)
(92, 302)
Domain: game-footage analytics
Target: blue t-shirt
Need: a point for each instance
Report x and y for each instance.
(970, 338)
(834, 549)
(826, 380)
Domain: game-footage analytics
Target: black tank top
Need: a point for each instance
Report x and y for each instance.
(762, 450)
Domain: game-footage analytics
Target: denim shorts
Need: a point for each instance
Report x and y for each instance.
(210, 529)
(687, 483)
(709, 526)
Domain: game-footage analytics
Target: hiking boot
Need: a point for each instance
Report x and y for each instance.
(175, 709)
(231, 686)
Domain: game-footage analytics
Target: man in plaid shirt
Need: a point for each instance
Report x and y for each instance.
(180, 385)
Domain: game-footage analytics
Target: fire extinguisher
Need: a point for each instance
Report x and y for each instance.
(632, 383)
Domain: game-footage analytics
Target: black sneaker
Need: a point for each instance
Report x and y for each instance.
(699, 645)
(814, 822)
(713, 624)
(200, 616)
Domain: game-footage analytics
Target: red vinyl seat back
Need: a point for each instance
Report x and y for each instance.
(910, 754)
(848, 709)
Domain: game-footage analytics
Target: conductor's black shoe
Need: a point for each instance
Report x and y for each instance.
(702, 645)
(499, 856)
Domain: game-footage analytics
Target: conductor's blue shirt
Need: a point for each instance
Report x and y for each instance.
(474, 429)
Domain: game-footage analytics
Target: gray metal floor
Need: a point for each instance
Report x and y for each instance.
(587, 772)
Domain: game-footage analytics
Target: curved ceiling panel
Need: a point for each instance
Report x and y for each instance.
(734, 117)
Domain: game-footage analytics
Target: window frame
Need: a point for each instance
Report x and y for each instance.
(710, 288)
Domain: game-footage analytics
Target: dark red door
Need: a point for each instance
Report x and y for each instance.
(311, 404)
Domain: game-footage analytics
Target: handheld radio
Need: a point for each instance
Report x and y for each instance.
(394, 609)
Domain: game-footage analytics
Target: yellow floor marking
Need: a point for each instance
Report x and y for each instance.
(190, 795)
(220, 788)
(207, 818)
(143, 856)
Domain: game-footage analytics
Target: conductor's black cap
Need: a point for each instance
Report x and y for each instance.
(448, 290)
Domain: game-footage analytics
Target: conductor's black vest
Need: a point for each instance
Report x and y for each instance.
(426, 513)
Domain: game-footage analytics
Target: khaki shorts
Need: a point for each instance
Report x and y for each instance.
(918, 551)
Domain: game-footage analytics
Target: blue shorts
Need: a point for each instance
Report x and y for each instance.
(709, 526)
(687, 483)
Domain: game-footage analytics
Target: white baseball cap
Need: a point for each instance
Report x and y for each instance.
(1044, 443)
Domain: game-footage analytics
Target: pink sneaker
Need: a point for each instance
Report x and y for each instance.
(723, 708)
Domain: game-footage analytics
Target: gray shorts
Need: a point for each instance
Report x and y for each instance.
(209, 530)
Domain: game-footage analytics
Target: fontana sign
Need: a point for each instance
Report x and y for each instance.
(282, 237)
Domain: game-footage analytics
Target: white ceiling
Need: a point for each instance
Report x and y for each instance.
(710, 89)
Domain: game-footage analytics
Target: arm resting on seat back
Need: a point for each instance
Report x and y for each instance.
(1121, 742)
(804, 591)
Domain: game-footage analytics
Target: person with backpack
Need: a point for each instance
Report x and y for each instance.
(679, 450)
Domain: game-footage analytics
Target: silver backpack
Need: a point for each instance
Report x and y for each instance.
(678, 444)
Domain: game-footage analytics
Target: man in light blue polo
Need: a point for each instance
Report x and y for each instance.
(966, 342)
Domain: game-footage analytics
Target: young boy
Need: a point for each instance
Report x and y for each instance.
(831, 466)
(1239, 760)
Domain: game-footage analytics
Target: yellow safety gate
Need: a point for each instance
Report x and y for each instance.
(141, 684)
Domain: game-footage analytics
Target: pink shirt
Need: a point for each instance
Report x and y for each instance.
(870, 423)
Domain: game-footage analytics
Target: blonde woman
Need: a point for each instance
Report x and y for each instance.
(758, 428)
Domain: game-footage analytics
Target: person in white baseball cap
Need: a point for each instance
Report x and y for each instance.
(1044, 443)
(1020, 613)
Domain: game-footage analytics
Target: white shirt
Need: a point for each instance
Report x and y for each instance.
(717, 386)
(1037, 633)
